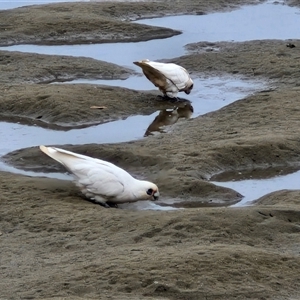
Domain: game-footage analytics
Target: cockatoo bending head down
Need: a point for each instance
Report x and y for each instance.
(102, 181)
(168, 77)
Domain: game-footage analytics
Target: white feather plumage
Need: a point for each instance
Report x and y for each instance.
(168, 77)
(102, 181)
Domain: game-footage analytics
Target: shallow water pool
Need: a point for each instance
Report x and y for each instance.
(262, 21)
(252, 189)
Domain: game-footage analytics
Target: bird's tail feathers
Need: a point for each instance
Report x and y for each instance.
(62, 156)
(70, 159)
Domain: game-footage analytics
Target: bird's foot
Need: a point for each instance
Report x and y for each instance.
(102, 203)
(111, 204)
(107, 204)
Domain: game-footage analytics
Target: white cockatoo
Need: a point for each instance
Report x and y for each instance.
(102, 181)
(168, 77)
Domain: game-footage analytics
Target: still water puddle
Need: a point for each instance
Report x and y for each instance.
(252, 189)
(263, 21)
(214, 94)
(18, 136)
(257, 22)
(209, 94)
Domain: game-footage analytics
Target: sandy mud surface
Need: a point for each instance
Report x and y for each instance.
(56, 245)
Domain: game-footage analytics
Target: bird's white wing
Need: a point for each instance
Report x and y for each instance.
(153, 74)
(177, 74)
(69, 159)
(99, 180)
(96, 175)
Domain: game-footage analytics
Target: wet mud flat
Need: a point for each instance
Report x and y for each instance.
(77, 23)
(56, 245)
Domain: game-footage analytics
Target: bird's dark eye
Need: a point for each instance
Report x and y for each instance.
(150, 192)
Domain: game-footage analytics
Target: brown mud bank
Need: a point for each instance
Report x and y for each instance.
(69, 106)
(18, 67)
(56, 245)
(261, 60)
(27, 96)
(97, 22)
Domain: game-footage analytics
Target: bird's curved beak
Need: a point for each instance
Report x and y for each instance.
(187, 92)
(155, 196)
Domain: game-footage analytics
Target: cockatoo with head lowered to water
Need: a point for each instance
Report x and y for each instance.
(102, 181)
(168, 77)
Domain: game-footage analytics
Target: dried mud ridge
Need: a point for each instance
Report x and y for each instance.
(56, 245)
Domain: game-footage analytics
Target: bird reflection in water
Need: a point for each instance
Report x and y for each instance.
(168, 117)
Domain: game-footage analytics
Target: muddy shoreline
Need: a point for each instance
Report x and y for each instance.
(80, 23)
(56, 245)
